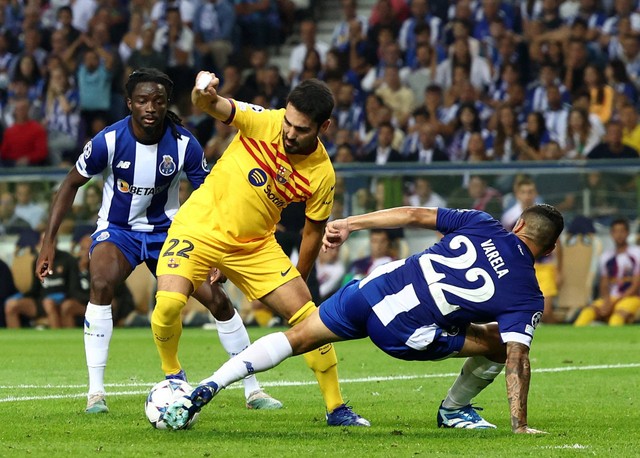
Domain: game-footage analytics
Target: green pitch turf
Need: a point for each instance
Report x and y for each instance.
(585, 391)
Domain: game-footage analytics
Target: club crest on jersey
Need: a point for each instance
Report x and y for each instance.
(257, 177)
(173, 263)
(283, 174)
(86, 151)
(102, 237)
(123, 186)
(205, 165)
(167, 166)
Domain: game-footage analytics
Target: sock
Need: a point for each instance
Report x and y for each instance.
(262, 316)
(616, 319)
(234, 339)
(477, 373)
(263, 354)
(323, 362)
(586, 317)
(167, 328)
(98, 328)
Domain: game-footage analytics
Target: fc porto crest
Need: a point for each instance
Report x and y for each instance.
(167, 166)
(283, 174)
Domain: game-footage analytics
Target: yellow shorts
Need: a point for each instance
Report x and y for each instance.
(256, 268)
(546, 275)
(630, 305)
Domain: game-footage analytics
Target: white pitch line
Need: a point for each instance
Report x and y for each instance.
(279, 383)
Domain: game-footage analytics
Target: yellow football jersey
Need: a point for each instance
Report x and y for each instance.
(243, 196)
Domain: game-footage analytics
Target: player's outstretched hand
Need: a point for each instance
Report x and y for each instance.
(44, 263)
(205, 90)
(335, 234)
(528, 430)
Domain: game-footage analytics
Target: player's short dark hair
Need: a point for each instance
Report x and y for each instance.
(544, 225)
(313, 98)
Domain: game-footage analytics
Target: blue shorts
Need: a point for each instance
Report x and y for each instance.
(348, 315)
(56, 297)
(137, 247)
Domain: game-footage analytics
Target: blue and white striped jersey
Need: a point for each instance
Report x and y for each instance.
(477, 273)
(141, 181)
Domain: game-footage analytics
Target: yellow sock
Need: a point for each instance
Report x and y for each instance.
(167, 328)
(586, 317)
(616, 320)
(262, 316)
(323, 362)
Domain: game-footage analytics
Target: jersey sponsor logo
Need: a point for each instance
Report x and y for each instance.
(102, 237)
(283, 174)
(123, 165)
(126, 188)
(86, 151)
(257, 177)
(167, 166)
(273, 197)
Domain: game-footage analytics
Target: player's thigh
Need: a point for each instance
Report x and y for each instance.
(288, 298)
(484, 340)
(109, 266)
(185, 260)
(310, 334)
(628, 305)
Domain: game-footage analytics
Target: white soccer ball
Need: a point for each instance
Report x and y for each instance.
(161, 396)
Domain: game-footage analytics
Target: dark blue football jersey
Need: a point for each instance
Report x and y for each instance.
(477, 273)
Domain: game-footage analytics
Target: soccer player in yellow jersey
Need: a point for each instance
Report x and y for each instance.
(229, 222)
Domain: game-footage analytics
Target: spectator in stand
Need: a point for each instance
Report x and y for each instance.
(619, 284)
(382, 151)
(589, 11)
(95, 74)
(423, 195)
(581, 135)
(423, 71)
(10, 223)
(489, 11)
(348, 112)
(427, 150)
(7, 288)
(24, 143)
(341, 32)
(556, 114)
(623, 12)
(218, 143)
(272, 86)
(146, 56)
(477, 195)
(601, 94)
(575, 64)
(308, 41)
(396, 95)
(82, 12)
(476, 149)
(629, 54)
(27, 69)
(64, 23)
(535, 136)
(213, 25)
(506, 136)
(86, 213)
(6, 63)
(387, 14)
(380, 252)
(377, 113)
(330, 271)
(616, 76)
(537, 99)
(132, 39)
(62, 118)
(311, 68)
(28, 208)
(467, 121)
(612, 146)
(476, 67)
(420, 16)
(630, 127)
(43, 299)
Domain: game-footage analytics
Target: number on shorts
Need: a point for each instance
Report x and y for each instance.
(181, 252)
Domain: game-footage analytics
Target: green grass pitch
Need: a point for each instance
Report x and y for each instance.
(585, 391)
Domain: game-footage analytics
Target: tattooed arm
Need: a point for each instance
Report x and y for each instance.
(518, 375)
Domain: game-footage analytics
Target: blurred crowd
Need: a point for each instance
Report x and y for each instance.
(415, 82)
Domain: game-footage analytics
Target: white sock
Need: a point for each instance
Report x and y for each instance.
(263, 354)
(477, 373)
(98, 327)
(234, 338)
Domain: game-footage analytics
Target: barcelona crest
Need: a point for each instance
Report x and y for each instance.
(283, 174)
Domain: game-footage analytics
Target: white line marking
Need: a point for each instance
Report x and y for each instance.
(278, 383)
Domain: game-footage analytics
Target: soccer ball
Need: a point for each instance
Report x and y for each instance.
(161, 396)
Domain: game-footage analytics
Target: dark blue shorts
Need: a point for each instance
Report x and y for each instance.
(348, 315)
(137, 247)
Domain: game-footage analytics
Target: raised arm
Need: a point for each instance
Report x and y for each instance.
(60, 207)
(518, 376)
(337, 231)
(209, 101)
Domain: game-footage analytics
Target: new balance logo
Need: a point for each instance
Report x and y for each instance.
(123, 165)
